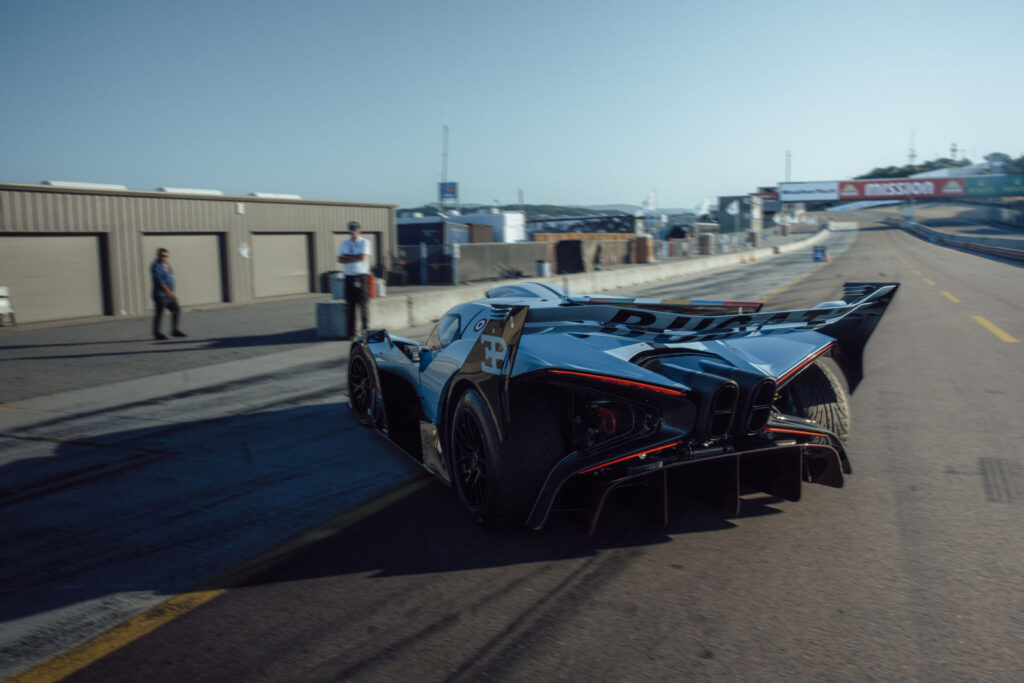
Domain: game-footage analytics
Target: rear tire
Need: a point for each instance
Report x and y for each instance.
(498, 482)
(819, 395)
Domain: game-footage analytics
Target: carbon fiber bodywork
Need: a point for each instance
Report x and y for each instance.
(641, 388)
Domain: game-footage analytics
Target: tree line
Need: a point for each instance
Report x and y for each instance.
(1008, 163)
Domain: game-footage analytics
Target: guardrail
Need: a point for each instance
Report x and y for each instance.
(937, 237)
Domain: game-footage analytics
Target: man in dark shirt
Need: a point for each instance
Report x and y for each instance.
(163, 294)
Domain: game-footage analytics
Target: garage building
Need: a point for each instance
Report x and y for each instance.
(78, 250)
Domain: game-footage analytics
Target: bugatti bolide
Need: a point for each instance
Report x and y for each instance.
(536, 399)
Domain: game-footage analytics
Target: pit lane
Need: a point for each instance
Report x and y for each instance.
(905, 573)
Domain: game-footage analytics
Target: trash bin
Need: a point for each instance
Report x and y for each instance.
(543, 269)
(338, 286)
(6, 307)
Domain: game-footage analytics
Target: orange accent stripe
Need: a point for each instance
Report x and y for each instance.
(634, 455)
(793, 431)
(622, 382)
(804, 363)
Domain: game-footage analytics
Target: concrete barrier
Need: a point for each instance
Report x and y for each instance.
(331, 319)
(412, 310)
(426, 307)
(389, 313)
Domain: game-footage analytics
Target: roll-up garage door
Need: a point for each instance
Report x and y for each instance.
(52, 277)
(280, 264)
(196, 260)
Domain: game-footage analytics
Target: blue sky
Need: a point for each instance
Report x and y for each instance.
(588, 102)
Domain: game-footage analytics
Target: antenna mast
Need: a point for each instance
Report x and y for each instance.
(444, 155)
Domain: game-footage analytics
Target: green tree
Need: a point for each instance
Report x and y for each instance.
(911, 169)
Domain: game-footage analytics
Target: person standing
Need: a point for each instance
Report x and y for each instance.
(163, 294)
(354, 253)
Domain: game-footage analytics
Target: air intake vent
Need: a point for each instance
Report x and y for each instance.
(761, 399)
(723, 407)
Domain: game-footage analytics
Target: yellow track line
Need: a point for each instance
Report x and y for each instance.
(794, 283)
(995, 329)
(950, 297)
(901, 258)
(929, 282)
(77, 658)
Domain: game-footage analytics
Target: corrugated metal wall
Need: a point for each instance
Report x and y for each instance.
(124, 216)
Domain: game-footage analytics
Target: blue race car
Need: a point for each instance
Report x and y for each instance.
(536, 399)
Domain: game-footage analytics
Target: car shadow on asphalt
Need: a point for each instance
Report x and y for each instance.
(91, 509)
(428, 533)
(163, 508)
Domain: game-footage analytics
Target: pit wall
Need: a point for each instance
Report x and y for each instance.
(404, 311)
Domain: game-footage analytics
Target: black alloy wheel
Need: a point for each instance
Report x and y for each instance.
(470, 460)
(498, 481)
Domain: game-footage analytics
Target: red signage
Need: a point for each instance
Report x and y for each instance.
(766, 196)
(901, 188)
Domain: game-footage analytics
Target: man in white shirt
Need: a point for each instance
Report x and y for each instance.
(354, 253)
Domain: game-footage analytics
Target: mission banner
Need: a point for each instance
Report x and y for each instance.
(901, 188)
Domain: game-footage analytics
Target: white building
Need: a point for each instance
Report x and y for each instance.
(507, 226)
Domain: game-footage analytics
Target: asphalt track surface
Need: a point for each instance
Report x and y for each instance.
(118, 496)
(911, 572)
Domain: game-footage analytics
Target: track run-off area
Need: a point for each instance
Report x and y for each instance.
(909, 572)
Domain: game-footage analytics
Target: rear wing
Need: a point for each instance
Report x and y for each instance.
(687, 307)
(667, 318)
(850, 321)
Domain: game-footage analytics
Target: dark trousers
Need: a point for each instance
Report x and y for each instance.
(171, 305)
(357, 292)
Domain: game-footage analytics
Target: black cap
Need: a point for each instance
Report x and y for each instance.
(354, 225)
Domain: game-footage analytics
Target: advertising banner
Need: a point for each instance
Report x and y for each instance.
(448, 191)
(809, 192)
(901, 188)
(990, 185)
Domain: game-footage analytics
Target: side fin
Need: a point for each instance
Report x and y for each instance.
(852, 331)
(488, 365)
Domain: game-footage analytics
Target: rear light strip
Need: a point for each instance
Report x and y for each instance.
(793, 431)
(634, 455)
(803, 364)
(622, 382)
